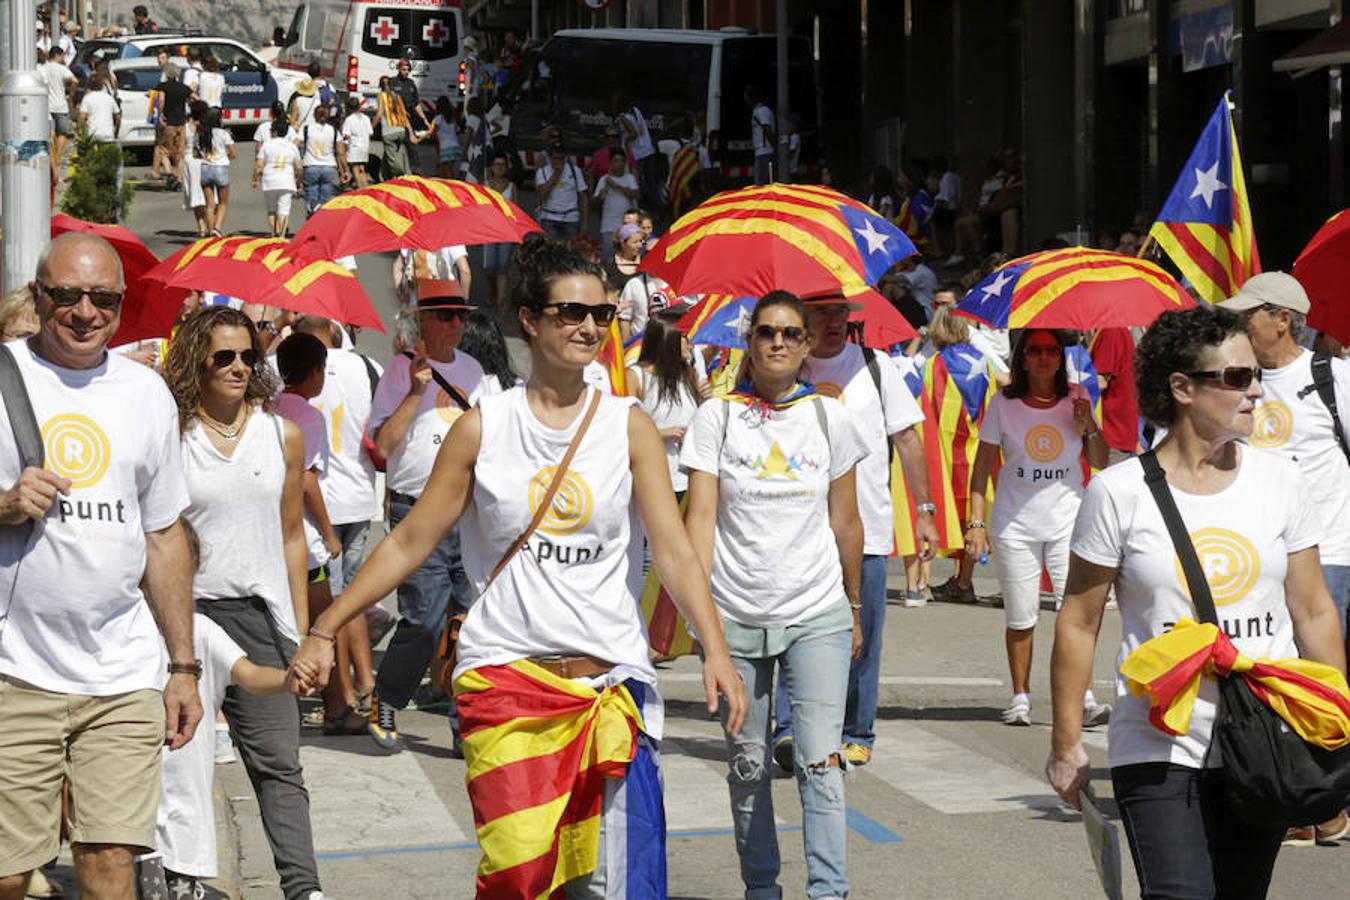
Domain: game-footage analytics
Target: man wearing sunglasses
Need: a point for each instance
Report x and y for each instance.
(88, 694)
(418, 398)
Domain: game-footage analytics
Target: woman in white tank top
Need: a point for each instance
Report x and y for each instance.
(669, 390)
(243, 467)
(557, 634)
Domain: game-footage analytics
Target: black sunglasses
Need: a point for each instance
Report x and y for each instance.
(792, 334)
(69, 296)
(572, 313)
(223, 359)
(1234, 378)
(444, 315)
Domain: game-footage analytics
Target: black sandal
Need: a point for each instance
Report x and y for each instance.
(343, 724)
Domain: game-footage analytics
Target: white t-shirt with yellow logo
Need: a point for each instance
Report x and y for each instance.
(775, 562)
(1243, 537)
(1291, 419)
(573, 588)
(409, 465)
(72, 616)
(1041, 482)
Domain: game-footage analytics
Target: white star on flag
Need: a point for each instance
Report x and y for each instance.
(1207, 183)
(876, 241)
(996, 286)
(743, 323)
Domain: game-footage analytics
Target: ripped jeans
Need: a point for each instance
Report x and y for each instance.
(816, 672)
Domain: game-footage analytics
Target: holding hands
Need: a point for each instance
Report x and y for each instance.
(310, 668)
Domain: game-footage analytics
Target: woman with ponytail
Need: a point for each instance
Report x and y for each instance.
(555, 645)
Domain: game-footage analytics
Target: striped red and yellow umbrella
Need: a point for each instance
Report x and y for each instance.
(262, 270)
(807, 239)
(411, 212)
(1076, 287)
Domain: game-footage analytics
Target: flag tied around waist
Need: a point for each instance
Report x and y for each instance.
(1311, 697)
(539, 748)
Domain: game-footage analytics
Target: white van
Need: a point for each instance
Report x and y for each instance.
(357, 41)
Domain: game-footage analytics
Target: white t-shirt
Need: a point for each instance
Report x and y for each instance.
(442, 262)
(318, 141)
(1244, 535)
(574, 587)
(348, 482)
(641, 145)
(761, 118)
(314, 430)
(597, 376)
(561, 204)
(447, 133)
(356, 134)
(57, 78)
(263, 133)
(72, 616)
(279, 157)
(615, 202)
(211, 88)
(185, 830)
(993, 343)
(410, 463)
(1291, 419)
(100, 107)
(221, 141)
(635, 301)
(775, 562)
(846, 377)
(1041, 482)
(666, 414)
(192, 76)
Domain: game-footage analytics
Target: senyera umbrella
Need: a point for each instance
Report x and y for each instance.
(411, 212)
(143, 298)
(1323, 268)
(1075, 287)
(262, 270)
(807, 239)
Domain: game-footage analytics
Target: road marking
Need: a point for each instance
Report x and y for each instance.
(950, 778)
(361, 801)
(894, 680)
(870, 829)
(695, 787)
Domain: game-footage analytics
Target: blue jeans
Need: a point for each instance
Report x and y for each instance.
(558, 230)
(864, 674)
(1338, 584)
(342, 568)
(816, 672)
(1185, 838)
(321, 183)
(424, 601)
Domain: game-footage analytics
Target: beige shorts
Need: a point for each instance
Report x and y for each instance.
(108, 748)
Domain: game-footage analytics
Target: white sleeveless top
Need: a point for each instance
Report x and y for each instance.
(574, 588)
(236, 510)
(679, 414)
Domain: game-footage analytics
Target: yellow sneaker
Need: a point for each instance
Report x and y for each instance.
(857, 754)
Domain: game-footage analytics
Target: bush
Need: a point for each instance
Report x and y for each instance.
(92, 191)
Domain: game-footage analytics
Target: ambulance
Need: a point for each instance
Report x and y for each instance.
(356, 42)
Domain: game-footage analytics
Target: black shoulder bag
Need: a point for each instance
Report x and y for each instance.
(1272, 776)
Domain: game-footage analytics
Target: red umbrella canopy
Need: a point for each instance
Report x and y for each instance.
(143, 298)
(1323, 268)
(411, 212)
(261, 270)
(1075, 287)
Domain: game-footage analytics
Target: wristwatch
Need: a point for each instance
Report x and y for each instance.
(193, 668)
(929, 508)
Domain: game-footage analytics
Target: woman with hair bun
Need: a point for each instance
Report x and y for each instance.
(555, 645)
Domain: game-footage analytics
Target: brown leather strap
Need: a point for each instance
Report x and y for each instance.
(573, 666)
(547, 500)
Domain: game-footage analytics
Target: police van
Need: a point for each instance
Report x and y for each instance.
(356, 42)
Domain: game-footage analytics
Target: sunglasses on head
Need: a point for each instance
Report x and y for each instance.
(1042, 350)
(1234, 378)
(793, 335)
(572, 313)
(444, 315)
(69, 296)
(223, 359)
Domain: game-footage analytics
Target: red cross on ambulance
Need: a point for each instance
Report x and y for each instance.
(384, 30)
(434, 33)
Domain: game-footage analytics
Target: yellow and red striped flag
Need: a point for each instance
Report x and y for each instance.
(683, 169)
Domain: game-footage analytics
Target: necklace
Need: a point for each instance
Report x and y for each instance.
(1043, 399)
(227, 433)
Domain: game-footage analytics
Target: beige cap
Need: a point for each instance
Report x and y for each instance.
(1269, 289)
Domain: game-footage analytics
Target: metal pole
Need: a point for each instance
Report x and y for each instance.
(534, 23)
(6, 28)
(25, 165)
(781, 130)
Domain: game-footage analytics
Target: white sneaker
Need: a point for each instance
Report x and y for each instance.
(1017, 714)
(1096, 713)
(914, 599)
(317, 895)
(224, 746)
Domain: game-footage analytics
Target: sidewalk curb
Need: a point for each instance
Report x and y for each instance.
(227, 844)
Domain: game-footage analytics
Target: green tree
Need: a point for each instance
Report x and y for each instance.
(94, 190)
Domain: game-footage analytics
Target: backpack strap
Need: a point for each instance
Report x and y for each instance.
(874, 369)
(821, 418)
(371, 374)
(1325, 386)
(1156, 479)
(455, 393)
(22, 420)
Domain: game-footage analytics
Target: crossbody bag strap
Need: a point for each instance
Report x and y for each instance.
(22, 420)
(455, 393)
(546, 501)
(1325, 384)
(1156, 479)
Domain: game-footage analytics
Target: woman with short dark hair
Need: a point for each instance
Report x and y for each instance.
(1255, 531)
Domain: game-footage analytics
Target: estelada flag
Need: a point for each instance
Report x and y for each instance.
(1205, 226)
(611, 356)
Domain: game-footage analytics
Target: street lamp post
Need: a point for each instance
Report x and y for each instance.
(25, 163)
(781, 131)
